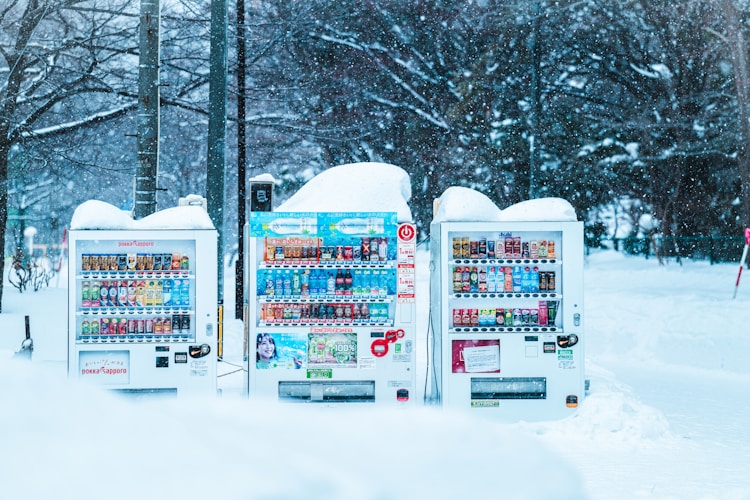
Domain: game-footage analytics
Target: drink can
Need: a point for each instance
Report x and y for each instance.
(185, 263)
(149, 327)
(534, 249)
(132, 260)
(516, 247)
(85, 262)
(525, 252)
(132, 292)
(176, 262)
(167, 326)
(104, 326)
(122, 294)
(113, 262)
(339, 252)
(85, 328)
(348, 253)
(132, 328)
(500, 249)
(158, 262)
(490, 249)
(465, 247)
(473, 249)
(140, 326)
(185, 322)
(551, 253)
(148, 262)
(500, 316)
(456, 247)
(112, 294)
(158, 326)
(122, 326)
(365, 249)
(140, 263)
(457, 313)
(122, 262)
(94, 327)
(474, 317)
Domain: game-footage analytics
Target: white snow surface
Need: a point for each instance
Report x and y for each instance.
(666, 416)
(95, 214)
(461, 204)
(356, 187)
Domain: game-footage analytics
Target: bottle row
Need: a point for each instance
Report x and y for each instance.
(544, 315)
(500, 279)
(176, 324)
(133, 262)
(504, 247)
(317, 313)
(135, 293)
(323, 283)
(370, 249)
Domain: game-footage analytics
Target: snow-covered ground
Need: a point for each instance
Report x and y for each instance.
(666, 417)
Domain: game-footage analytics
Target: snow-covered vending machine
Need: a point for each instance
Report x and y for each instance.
(331, 307)
(142, 302)
(507, 315)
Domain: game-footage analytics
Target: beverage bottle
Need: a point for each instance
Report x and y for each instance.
(287, 283)
(279, 282)
(331, 284)
(348, 282)
(466, 280)
(534, 279)
(85, 294)
(384, 282)
(305, 283)
(482, 280)
(176, 293)
(491, 279)
(185, 293)
(474, 279)
(383, 249)
(517, 271)
(357, 283)
(526, 279)
(159, 293)
(366, 275)
(296, 283)
(340, 282)
(374, 284)
(167, 292)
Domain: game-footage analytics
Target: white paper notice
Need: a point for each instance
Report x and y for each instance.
(482, 359)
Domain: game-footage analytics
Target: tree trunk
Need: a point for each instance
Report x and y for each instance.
(737, 51)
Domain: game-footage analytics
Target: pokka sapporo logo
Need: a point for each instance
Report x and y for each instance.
(104, 367)
(136, 244)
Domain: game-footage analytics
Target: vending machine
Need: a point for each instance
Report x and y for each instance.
(142, 307)
(331, 308)
(507, 316)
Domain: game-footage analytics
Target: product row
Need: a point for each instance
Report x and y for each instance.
(134, 262)
(175, 324)
(323, 283)
(318, 313)
(501, 279)
(370, 249)
(135, 293)
(504, 247)
(544, 315)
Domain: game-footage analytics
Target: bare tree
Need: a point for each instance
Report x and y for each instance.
(58, 54)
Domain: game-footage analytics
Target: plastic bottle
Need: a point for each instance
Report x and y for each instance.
(331, 284)
(296, 283)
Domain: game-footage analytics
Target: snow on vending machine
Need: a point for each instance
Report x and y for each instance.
(507, 313)
(142, 307)
(331, 308)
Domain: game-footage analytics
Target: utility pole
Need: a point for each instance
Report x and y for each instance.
(148, 110)
(239, 285)
(217, 132)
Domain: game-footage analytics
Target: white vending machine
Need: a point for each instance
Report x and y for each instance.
(142, 307)
(507, 315)
(331, 308)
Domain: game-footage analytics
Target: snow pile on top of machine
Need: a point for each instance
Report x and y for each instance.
(461, 204)
(356, 187)
(95, 214)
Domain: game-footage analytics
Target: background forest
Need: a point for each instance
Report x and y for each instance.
(635, 104)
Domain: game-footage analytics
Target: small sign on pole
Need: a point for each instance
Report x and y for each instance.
(742, 261)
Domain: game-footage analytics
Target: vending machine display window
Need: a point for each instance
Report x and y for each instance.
(135, 294)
